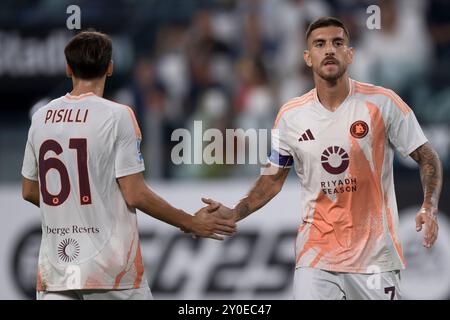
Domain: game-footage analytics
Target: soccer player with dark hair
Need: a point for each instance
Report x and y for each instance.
(340, 137)
(83, 168)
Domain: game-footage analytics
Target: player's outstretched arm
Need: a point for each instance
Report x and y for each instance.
(431, 176)
(203, 224)
(266, 187)
(30, 191)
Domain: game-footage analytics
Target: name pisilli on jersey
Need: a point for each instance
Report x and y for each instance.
(344, 159)
(77, 146)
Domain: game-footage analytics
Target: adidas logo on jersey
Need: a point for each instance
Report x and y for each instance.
(306, 136)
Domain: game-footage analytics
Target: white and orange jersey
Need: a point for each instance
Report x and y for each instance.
(344, 159)
(77, 146)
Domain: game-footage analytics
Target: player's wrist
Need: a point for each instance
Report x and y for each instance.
(235, 213)
(186, 221)
(428, 204)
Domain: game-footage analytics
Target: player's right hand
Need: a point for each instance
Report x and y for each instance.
(222, 211)
(207, 225)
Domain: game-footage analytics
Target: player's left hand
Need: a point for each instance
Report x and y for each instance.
(210, 208)
(427, 216)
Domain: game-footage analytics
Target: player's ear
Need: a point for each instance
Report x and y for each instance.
(110, 69)
(69, 72)
(350, 53)
(307, 58)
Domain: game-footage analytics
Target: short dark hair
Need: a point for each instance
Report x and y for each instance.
(89, 54)
(327, 22)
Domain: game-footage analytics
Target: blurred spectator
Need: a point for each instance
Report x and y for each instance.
(399, 51)
(296, 84)
(285, 24)
(148, 96)
(255, 106)
(254, 103)
(438, 16)
(172, 68)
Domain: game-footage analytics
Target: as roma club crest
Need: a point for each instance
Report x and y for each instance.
(359, 129)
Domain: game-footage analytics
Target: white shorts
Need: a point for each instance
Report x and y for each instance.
(317, 284)
(143, 293)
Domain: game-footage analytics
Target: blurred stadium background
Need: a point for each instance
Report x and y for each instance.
(230, 64)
